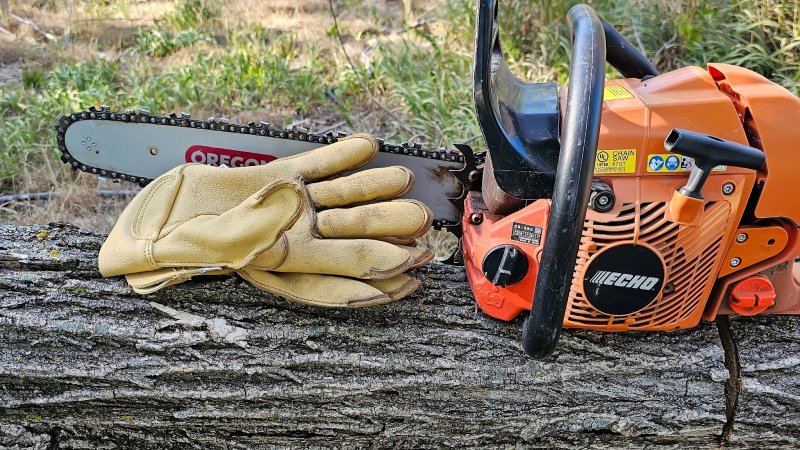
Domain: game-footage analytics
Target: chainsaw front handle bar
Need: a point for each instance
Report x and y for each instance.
(497, 93)
(579, 135)
(624, 57)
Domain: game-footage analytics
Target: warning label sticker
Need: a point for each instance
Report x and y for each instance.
(615, 93)
(615, 161)
(671, 162)
(527, 234)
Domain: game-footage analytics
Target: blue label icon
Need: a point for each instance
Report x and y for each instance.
(673, 162)
(655, 163)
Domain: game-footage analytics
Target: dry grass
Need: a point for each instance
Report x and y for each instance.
(75, 200)
(13, 51)
(77, 203)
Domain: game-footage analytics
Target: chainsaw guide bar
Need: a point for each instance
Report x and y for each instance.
(94, 141)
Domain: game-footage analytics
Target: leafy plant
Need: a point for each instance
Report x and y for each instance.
(162, 43)
(192, 14)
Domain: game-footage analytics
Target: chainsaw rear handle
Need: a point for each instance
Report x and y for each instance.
(579, 136)
(520, 121)
(489, 60)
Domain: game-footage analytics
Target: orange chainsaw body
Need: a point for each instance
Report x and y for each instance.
(733, 252)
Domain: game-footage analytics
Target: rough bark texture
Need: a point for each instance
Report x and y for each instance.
(86, 363)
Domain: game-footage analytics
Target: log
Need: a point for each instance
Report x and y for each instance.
(86, 363)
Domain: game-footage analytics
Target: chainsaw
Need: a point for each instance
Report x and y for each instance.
(644, 203)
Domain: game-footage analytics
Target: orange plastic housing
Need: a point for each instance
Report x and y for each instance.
(484, 234)
(685, 98)
(692, 255)
(782, 271)
(696, 243)
(772, 115)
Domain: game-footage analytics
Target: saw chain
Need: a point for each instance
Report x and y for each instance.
(264, 129)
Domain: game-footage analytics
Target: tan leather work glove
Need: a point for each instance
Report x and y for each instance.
(147, 236)
(337, 240)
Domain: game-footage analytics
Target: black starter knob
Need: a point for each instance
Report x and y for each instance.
(505, 265)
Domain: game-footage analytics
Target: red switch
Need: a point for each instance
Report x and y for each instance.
(752, 296)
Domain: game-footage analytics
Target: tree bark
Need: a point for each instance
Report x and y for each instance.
(86, 363)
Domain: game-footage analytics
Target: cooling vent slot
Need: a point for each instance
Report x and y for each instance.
(690, 255)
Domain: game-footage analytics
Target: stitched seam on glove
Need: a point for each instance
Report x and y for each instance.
(284, 241)
(140, 216)
(137, 225)
(148, 254)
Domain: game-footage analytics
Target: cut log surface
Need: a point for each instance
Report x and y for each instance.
(87, 363)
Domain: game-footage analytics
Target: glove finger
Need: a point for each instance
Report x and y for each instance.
(421, 255)
(346, 154)
(396, 287)
(368, 185)
(212, 190)
(357, 258)
(401, 219)
(318, 290)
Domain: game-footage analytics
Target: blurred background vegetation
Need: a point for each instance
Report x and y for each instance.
(281, 61)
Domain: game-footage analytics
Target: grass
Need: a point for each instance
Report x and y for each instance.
(280, 61)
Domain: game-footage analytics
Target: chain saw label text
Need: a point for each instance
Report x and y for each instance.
(527, 234)
(216, 156)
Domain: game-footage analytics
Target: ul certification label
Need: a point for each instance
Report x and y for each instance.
(615, 161)
(527, 234)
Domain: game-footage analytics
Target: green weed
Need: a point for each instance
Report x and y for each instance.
(188, 25)
(192, 14)
(433, 92)
(161, 43)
